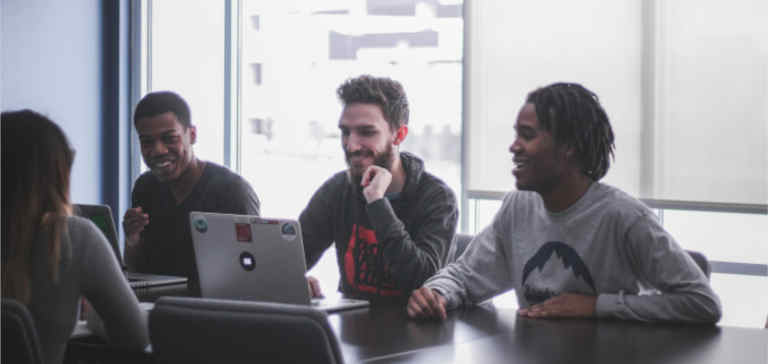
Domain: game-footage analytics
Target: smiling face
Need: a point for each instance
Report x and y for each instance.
(540, 165)
(166, 145)
(366, 138)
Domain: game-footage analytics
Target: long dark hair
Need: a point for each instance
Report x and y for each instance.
(575, 118)
(37, 160)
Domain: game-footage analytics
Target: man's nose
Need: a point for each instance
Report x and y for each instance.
(158, 148)
(352, 143)
(513, 147)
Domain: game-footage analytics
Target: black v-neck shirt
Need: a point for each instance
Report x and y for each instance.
(166, 241)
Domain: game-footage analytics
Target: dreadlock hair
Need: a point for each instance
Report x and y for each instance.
(575, 118)
(388, 94)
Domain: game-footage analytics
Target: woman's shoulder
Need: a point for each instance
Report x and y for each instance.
(80, 226)
(83, 232)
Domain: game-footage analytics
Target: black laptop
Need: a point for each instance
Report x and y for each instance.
(101, 216)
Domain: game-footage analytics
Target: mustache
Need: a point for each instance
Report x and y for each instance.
(359, 153)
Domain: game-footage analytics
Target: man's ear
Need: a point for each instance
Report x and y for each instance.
(192, 134)
(400, 134)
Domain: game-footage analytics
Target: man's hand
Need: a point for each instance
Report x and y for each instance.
(313, 285)
(134, 222)
(426, 303)
(564, 305)
(375, 182)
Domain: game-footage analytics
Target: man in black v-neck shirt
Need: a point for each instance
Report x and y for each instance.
(158, 239)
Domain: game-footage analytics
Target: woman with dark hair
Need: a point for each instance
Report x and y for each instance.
(49, 257)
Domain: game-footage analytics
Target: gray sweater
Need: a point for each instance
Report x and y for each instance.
(608, 244)
(89, 268)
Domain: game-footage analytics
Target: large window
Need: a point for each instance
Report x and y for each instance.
(295, 55)
(685, 84)
(516, 46)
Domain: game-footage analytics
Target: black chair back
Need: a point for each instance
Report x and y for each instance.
(194, 330)
(20, 342)
(701, 261)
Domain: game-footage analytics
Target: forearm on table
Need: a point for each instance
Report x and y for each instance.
(691, 307)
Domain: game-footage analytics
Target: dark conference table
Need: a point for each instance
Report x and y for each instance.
(487, 334)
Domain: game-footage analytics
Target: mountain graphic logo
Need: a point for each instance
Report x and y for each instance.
(570, 260)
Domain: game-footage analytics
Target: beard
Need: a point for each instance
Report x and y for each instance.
(383, 159)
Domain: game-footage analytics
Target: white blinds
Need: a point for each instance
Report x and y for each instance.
(685, 84)
(711, 90)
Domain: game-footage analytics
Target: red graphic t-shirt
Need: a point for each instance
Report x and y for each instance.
(361, 266)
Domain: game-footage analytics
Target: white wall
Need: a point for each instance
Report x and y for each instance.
(51, 63)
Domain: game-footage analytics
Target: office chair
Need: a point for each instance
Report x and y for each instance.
(198, 330)
(20, 341)
(701, 261)
(458, 246)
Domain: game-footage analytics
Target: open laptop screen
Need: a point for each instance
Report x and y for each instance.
(101, 216)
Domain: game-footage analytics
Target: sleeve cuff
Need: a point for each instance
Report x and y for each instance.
(380, 214)
(451, 301)
(608, 304)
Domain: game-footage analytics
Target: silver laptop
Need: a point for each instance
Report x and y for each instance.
(246, 257)
(101, 216)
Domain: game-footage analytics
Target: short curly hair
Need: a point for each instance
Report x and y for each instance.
(385, 92)
(161, 102)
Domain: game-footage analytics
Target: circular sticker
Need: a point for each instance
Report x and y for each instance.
(288, 231)
(247, 261)
(200, 225)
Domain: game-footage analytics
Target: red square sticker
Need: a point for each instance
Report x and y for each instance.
(243, 232)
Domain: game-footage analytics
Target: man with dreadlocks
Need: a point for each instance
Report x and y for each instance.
(568, 244)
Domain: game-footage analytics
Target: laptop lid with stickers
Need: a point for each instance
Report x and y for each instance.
(252, 258)
(249, 258)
